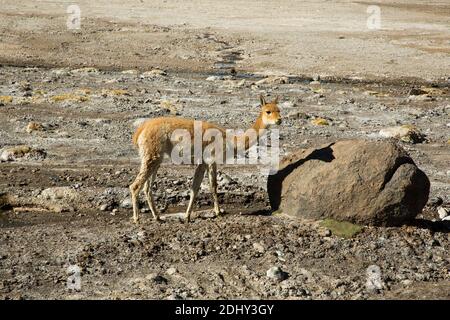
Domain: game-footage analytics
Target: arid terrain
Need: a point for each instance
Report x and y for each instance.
(71, 99)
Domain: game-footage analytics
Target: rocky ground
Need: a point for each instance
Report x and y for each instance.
(66, 161)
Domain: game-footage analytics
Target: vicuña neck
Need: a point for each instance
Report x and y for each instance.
(259, 124)
(250, 136)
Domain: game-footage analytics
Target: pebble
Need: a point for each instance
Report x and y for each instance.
(275, 273)
(171, 271)
(126, 203)
(406, 133)
(154, 73)
(258, 247)
(273, 80)
(443, 212)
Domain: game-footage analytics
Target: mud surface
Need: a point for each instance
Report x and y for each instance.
(69, 104)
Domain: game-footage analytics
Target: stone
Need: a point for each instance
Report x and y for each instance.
(23, 151)
(273, 80)
(406, 133)
(66, 194)
(258, 247)
(443, 212)
(154, 73)
(12, 153)
(359, 181)
(126, 203)
(171, 271)
(213, 78)
(275, 273)
(130, 71)
(85, 70)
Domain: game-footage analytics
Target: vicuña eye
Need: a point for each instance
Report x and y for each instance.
(268, 112)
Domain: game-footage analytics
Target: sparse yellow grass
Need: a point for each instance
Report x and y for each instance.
(84, 91)
(69, 97)
(6, 99)
(40, 92)
(19, 150)
(119, 92)
(115, 92)
(171, 107)
(433, 91)
(320, 122)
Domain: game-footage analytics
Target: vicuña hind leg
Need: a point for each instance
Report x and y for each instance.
(212, 175)
(198, 177)
(136, 186)
(149, 193)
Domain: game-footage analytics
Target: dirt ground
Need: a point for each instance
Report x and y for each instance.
(64, 197)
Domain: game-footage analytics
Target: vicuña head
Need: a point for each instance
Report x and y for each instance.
(270, 113)
(153, 139)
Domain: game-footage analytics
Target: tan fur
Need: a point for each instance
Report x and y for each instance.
(153, 139)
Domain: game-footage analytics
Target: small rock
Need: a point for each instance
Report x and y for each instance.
(275, 273)
(213, 78)
(171, 271)
(85, 70)
(155, 73)
(443, 212)
(406, 133)
(131, 71)
(258, 247)
(273, 80)
(104, 207)
(406, 282)
(126, 203)
(13, 153)
(325, 232)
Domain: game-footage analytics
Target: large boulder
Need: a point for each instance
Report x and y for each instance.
(364, 182)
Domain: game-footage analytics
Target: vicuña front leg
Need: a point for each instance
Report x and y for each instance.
(212, 174)
(198, 177)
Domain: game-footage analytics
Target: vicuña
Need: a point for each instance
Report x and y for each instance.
(154, 139)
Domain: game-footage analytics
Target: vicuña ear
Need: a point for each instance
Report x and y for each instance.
(276, 100)
(263, 101)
